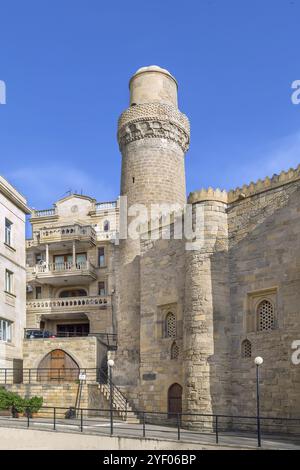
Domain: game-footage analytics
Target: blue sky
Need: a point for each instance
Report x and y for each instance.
(66, 65)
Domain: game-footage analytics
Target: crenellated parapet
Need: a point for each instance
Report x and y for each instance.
(249, 190)
(285, 177)
(209, 194)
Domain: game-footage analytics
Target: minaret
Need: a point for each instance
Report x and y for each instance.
(153, 136)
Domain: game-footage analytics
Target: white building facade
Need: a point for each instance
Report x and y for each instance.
(13, 210)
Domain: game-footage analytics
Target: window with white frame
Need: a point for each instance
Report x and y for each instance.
(9, 281)
(8, 232)
(5, 330)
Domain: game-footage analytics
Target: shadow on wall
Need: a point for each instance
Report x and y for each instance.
(264, 247)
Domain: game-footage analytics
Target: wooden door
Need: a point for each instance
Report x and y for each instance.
(174, 400)
(57, 365)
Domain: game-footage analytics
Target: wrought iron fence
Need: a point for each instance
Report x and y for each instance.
(191, 427)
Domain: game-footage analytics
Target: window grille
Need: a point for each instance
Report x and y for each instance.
(170, 325)
(246, 348)
(265, 313)
(174, 351)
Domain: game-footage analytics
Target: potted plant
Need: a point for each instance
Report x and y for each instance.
(17, 405)
(32, 405)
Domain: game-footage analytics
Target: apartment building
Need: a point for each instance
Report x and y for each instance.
(13, 210)
(70, 284)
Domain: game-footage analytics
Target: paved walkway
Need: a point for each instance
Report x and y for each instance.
(101, 426)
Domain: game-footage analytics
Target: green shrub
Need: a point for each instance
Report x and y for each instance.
(5, 399)
(34, 403)
(18, 404)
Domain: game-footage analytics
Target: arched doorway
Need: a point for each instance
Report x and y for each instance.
(174, 400)
(58, 366)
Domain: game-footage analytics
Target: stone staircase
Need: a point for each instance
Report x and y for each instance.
(120, 403)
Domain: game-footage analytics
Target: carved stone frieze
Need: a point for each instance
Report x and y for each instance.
(154, 120)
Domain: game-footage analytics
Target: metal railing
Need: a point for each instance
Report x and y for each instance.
(211, 429)
(109, 339)
(119, 399)
(47, 375)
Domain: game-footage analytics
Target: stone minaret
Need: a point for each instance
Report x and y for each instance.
(153, 136)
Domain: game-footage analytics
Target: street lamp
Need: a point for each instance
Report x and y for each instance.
(110, 364)
(258, 362)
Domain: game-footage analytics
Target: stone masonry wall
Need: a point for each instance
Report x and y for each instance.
(162, 291)
(84, 350)
(54, 395)
(264, 264)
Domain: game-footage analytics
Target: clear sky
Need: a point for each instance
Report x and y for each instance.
(66, 65)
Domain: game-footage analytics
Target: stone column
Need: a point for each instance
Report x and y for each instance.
(74, 253)
(207, 310)
(47, 256)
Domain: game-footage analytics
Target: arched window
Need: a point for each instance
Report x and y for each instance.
(174, 350)
(106, 225)
(265, 316)
(170, 326)
(246, 348)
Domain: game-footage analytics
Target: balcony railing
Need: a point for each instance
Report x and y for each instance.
(67, 232)
(62, 267)
(44, 212)
(62, 234)
(59, 270)
(104, 206)
(107, 235)
(68, 303)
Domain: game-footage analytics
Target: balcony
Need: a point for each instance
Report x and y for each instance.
(66, 233)
(106, 235)
(44, 213)
(62, 273)
(68, 304)
(105, 206)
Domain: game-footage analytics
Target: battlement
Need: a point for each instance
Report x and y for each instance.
(209, 194)
(247, 190)
(285, 177)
